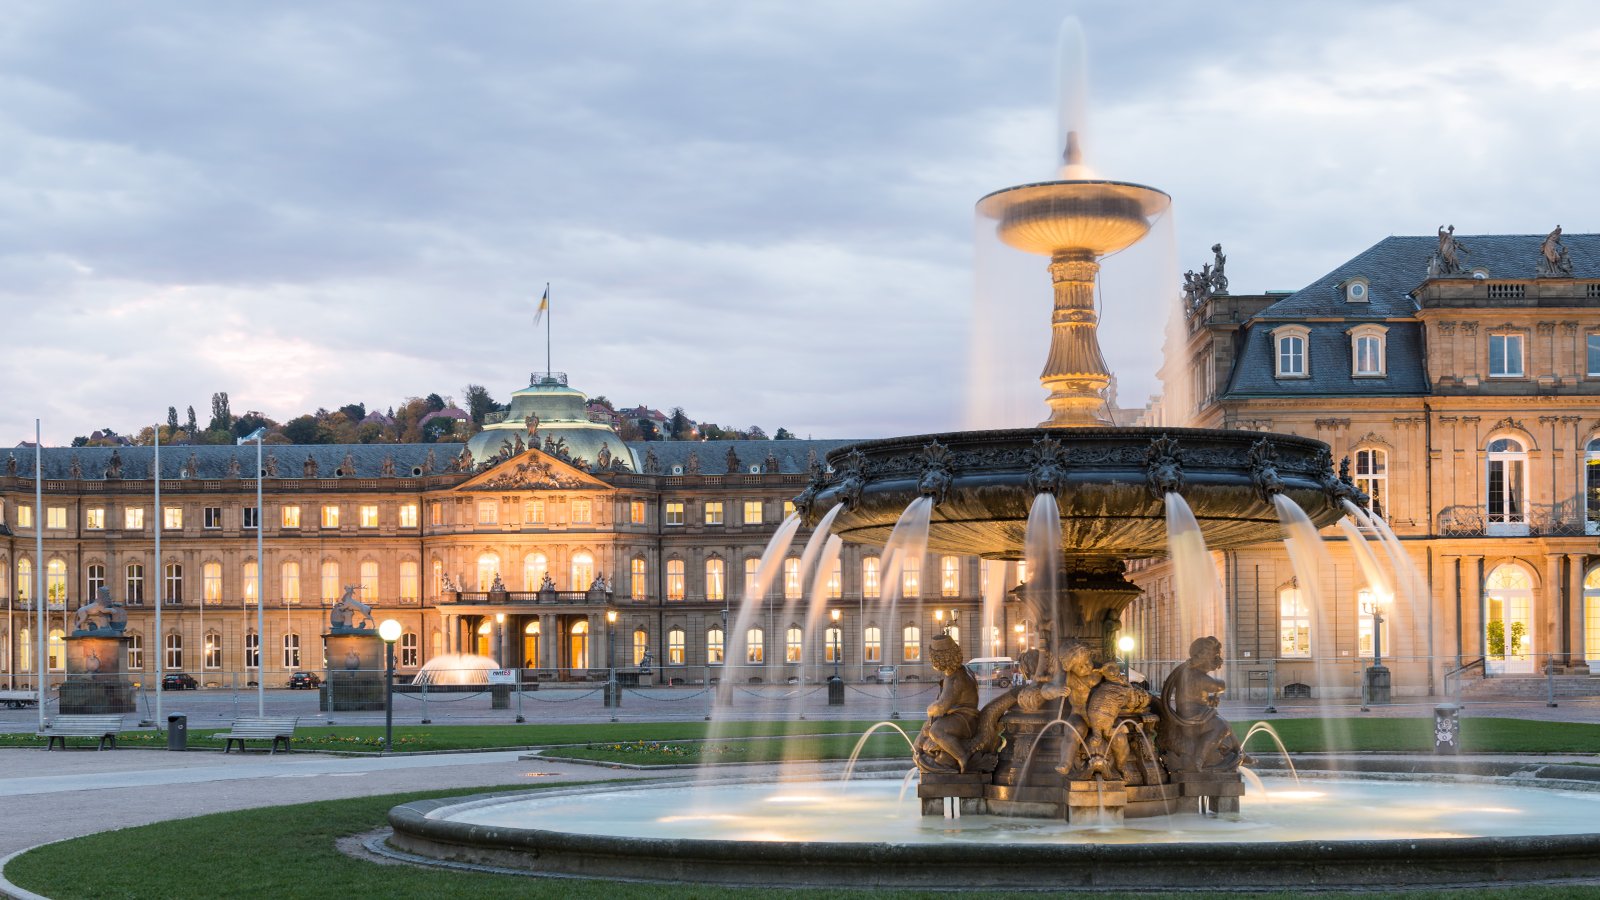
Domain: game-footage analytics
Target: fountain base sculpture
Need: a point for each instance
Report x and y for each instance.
(355, 674)
(96, 683)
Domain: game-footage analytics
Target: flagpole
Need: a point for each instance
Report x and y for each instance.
(160, 647)
(547, 331)
(38, 562)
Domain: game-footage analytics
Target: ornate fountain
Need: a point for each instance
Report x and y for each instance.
(1079, 740)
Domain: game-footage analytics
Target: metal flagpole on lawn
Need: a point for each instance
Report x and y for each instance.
(261, 579)
(160, 648)
(38, 562)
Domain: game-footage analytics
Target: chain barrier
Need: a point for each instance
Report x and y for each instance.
(637, 692)
(433, 697)
(535, 696)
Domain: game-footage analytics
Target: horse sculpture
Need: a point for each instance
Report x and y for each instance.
(343, 615)
(102, 615)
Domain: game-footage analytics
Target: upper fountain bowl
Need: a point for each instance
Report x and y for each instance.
(1084, 217)
(1110, 485)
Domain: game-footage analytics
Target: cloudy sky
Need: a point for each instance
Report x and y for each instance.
(762, 212)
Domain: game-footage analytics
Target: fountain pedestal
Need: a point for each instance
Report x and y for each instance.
(355, 671)
(95, 682)
(1212, 792)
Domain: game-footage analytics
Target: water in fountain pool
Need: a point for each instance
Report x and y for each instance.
(1200, 606)
(456, 669)
(1309, 558)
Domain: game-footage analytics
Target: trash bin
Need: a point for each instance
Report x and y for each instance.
(177, 732)
(1447, 729)
(835, 691)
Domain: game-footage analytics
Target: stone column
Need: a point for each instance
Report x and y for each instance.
(597, 640)
(1578, 657)
(1554, 627)
(1472, 600)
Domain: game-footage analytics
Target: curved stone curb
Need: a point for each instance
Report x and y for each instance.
(7, 889)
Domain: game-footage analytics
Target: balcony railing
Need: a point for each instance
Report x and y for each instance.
(568, 598)
(1563, 519)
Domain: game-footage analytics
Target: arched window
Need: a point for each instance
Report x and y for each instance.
(211, 582)
(582, 570)
(437, 578)
(714, 641)
(1294, 623)
(135, 651)
(674, 579)
(173, 589)
(1507, 512)
(832, 644)
(1291, 358)
(912, 643)
(792, 639)
(1372, 479)
(24, 649)
(911, 578)
(332, 590)
(5, 579)
(252, 582)
(291, 651)
(135, 584)
(949, 576)
(752, 570)
(1591, 617)
(872, 644)
(716, 579)
(578, 645)
(1367, 351)
(369, 581)
(211, 658)
(755, 649)
(534, 567)
(289, 576)
(488, 568)
(252, 650)
(836, 579)
(409, 589)
(56, 649)
(1508, 620)
(1591, 487)
(791, 578)
(95, 580)
(409, 646)
(638, 584)
(676, 649)
(870, 588)
(174, 648)
(1364, 642)
(55, 581)
(641, 645)
(25, 579)
(532, 633)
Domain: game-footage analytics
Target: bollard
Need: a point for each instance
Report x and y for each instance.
(1447, 729)
(835, 691)
(177, 732)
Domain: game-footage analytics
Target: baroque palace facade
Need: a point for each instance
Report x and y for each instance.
(1461, 379)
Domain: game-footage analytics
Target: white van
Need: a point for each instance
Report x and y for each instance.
(999, 671)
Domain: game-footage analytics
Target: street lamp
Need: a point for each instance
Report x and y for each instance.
(837, 641)
(261, 571)
(1378, 684)
(612, 694)
(1125, 647)
(389, 630)
(1022, 636)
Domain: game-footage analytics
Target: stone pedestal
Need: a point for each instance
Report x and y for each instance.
(1210, 792)
(95, 683)
(355, 672)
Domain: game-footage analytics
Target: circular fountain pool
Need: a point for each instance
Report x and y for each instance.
(1325, 832)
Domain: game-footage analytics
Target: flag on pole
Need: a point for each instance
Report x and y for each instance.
(544, 306)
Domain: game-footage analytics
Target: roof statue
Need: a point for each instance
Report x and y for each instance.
(272, 465)
(691, 466)
(652, 463)
(429, 462)
(497, 586)
(347, 467)
(1219, 281)
(114, 466)
(75, 468)
(733, 462)
(518, 447)
(11, 464)
(191, 466)
(770, 465)
(531, 422)
(233, 467)
(602, 459)
(1553, 259)
(386, 469)
(1447, 259)
(309, 467)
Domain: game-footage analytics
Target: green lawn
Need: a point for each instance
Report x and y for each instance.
(289, 851)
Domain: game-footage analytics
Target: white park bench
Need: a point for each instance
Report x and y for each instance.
(260, 728)
(104, 728)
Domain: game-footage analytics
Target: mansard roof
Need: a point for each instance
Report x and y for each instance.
(212, 461)
(792, 456)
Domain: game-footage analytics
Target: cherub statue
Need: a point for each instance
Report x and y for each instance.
(943, 744)
(1193, 737)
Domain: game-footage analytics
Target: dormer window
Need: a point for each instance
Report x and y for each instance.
(1357, 290)
(1367, 348)
(1293, 348)
(1505, 354)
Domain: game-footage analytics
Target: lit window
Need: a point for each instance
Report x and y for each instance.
(949, 576)
(714, 647)
(675, 646)
(330, 588)
(791, 578)
(1294, 623)
(913, 643)
(637, 586)
(869, 577)
(753, 512)
(1505, 355)
(716, 579)
(212, 657)
(56, 517)
(755, 650)
(674, 579)
(792, 644)
(25, 517)
(330, 516)
(641, 645)
(291, 517)
(252, 581)
(832, 643)
(582, 512)
(1507, 497)
(56, 650)
(369, 515)
(911, 579)
(135, 651)
(291, 651)
(1291, 342)
(836, 580)
(788, 508)
(1364, 643)
(211, 517)
(1372, 479)
(211, 582)
(1591, 490)
(289, 575)
(713, 512)
(408, 515)
(752, 569)
(872, 644)
(636, 512)
(533, 512)
(674, 512)
(132, 518)
(488, 512)
(55, 581)
(172, 518)
(582, 571)
(534, 567)
(369, 581)
(94, 519)
(437, 579)
(435, 513)
(410, 582)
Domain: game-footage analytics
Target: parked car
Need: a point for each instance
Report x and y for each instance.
(884, 675)
(306, 680)
(999, 671)
(179, 681)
